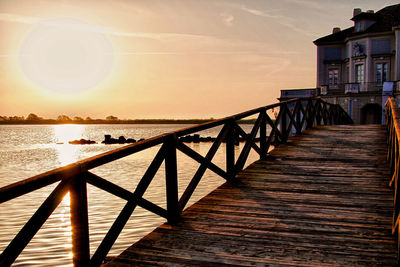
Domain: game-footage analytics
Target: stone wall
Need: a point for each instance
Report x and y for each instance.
(354, 104)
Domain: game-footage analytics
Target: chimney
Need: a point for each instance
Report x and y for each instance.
(356, 11)
(335, 30)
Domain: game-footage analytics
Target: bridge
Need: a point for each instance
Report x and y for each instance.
(326, 196)
(321, 199)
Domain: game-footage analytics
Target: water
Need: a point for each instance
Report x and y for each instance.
(28, 150)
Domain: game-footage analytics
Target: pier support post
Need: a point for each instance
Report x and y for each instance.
(263, 135)
(298, 117)
(171, 180)
(230, 154)
(310, 114)
(318, 112)
(79, 221)
(284, 123)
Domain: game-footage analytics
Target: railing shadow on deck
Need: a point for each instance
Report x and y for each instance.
(294, 116)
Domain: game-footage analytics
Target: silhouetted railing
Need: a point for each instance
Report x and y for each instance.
(352, 88)
(294, 116)
(393, 127)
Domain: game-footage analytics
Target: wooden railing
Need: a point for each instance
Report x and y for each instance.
(294, 116)
(393, 156)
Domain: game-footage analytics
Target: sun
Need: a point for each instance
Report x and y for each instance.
(66, 55)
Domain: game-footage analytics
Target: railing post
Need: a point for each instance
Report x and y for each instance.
(324, 111)
(263, 135)
(330, 120)
(284, 123)
(79, 221)
(298, 118)
(230, 153)
(335, 114)
(318, 112)
(309, 114)
(171, 180)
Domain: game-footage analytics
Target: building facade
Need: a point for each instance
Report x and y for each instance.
(359, 67)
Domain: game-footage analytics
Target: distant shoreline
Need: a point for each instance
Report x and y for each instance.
(138, 121)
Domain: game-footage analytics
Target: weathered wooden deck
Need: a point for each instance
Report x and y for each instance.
(322, 199)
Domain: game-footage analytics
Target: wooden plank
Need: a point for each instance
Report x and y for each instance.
(321, 199)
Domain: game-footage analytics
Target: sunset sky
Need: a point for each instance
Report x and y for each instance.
(160, 59)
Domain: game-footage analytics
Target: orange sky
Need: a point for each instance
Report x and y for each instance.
(159, 59)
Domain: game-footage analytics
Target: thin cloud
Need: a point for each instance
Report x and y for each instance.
(65, 24)
(227, 19)
(260, 13)
(17, 18)
(215, 45)
(207, 53)
(310, 4)
(283, 20)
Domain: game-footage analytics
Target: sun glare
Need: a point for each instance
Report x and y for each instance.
(66, 56)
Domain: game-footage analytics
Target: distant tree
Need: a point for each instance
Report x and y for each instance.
(88, 119)
(16, 118)
(111, 118)
(33, 117)
(78, 119)
(63, 118)
(3, 118)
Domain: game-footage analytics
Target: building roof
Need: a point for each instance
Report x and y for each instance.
(364, 15)
(386, 19)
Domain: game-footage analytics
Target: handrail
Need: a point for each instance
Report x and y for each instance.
(392, 114)
(295, 114)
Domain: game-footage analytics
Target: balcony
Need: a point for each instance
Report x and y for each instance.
(335, 89)
(352, 88)
(297, 93)
(324, 89)
(397, 86)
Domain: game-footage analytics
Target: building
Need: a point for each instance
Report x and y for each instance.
(359, 67)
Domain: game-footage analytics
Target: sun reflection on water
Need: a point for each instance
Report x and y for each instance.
(66, 154)
(64, 133)
(65, 225)
(65, 221)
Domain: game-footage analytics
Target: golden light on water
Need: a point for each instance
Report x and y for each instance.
(66, 154)
(64, 133)
(65, 224)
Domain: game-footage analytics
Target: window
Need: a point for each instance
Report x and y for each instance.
(332, 53)
(333, 75)
(360, 73)
(381, 73)
(381, 46)
(351, 108)
(348, 50)
(359, 26)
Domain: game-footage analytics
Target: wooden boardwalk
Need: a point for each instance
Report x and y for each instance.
(322, 199)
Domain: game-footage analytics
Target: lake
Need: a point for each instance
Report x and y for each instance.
(28, 150)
